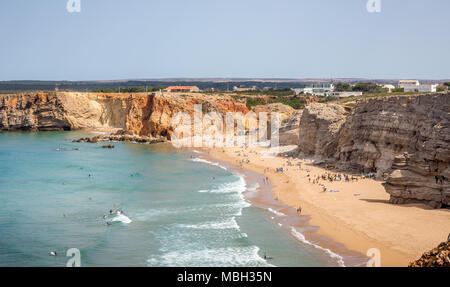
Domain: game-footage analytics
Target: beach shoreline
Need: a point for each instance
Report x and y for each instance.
(287, 219)
(333, 229)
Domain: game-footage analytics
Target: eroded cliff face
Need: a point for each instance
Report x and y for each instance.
(56, 111)
(406, 138)
(320, 124)
(136, 114)
(289, 121)
(31, 111)
(290, 129)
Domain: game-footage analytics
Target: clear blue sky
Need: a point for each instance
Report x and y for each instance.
(127, 39)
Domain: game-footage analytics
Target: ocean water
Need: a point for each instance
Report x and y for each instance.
(184, 211)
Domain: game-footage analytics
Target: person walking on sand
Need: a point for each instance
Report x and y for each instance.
(299, 210)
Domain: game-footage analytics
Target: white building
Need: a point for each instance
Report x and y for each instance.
(403, 83)
(389, 88)
(317, 90)
(415, 86)
(420, 88)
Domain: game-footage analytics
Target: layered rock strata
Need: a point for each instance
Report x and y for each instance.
(404, 139)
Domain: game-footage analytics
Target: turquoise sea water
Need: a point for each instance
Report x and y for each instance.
(184, 211)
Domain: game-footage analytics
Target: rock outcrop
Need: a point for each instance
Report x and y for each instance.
(290, 129)
(437, 257)
(24, 112)
(403, 138)
(290, 121)
(137, 114)
(320, 124)
(119, 138)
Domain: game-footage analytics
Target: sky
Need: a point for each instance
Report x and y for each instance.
(152, 39)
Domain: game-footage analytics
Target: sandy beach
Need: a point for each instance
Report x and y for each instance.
(355, 214)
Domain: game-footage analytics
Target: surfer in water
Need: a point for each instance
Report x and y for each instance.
(266, 257)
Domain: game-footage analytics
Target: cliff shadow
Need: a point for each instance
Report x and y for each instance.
(406, 205)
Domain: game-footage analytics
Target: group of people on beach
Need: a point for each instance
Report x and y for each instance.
(337, 177)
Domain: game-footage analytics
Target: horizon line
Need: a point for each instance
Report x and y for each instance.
(234, 79)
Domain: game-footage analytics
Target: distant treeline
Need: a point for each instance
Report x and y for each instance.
(360, 87)
(90, 86)
(140, 89)
(283, 92)
(296, 103)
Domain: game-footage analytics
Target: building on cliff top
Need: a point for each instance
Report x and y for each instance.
(322, 90)
(389, 87)
(402, 83)
(415, 86)
(181, 89)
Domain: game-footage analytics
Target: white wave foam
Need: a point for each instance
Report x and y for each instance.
(208, 162)
(222, 224)
(122, 218)
(253, 187)
(276, 212)
(239, 205)
(227, 256)
(301, 237)
(154, 214)
(238, 186)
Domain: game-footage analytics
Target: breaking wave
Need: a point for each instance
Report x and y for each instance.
(227, 256)
(196, 159)
(221, 224)
(301, 237)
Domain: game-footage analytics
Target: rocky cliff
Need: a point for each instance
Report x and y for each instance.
(406, 138)
(290, 129)
(290, 121)
(136, 114)
(320, 124)
(437, 257)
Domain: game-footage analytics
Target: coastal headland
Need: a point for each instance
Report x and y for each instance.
(371, 175)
